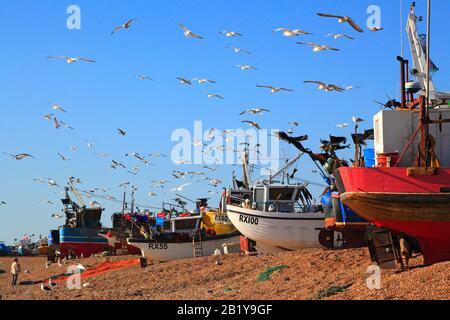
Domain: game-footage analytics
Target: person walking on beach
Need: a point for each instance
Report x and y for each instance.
(15, 270)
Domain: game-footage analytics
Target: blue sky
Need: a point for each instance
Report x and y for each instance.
(106, 95)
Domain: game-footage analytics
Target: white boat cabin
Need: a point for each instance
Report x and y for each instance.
(277, 198)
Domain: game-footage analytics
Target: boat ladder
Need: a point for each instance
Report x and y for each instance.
(197, 245)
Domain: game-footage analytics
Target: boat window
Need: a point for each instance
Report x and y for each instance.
(185, 224)
(281, 194)
(259, 195)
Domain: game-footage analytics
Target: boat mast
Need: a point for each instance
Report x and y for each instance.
(245, 163)
(427, 104)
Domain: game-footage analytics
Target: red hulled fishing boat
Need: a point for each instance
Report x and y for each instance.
(408, 192)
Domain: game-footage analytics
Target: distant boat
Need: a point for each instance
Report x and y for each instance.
(182, 238)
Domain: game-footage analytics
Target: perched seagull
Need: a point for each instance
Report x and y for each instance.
(45, 289)
(274, 89)
(246, 67)
(184, 81)
(144, 77)
(259, 111)
(20, 156)
(375, 29)
(290, 32)
(342, 19)
(252, 124)
(203, 81)
(318, 47)
(356, 119)
(51, 284)
(95, 204)
(126, 25)
(63, 158)
(214, 95)
(230, 34)
(121, 132)
(325, 87)
(188, 33)
(342, 125)
(239, 50)
(339, 36)
(72, 59)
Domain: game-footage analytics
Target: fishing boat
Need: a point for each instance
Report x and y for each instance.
(275, 215)
(408, 192)
(79, 236)
(180, 238)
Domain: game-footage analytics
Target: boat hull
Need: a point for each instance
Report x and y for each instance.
(168, 251)
(81, 241)
(278, 231)
(399, 199)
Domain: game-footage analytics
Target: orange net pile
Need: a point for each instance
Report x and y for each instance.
(105, 267)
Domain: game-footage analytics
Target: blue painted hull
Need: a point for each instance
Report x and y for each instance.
(81, 241)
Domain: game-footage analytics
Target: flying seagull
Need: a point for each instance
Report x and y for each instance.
(239, 50)
(58, 107)
(291, 32)
(188, 33)
(63, 158)
(274, 89)
(325, 87)
(203, 81)
(20, 156)
(184, 81)
(126, 25)
(318, 47)
(255, 111)
(144, 77)
(180, 188)
(375, 29)
(356, 119)
(342, 125)
(339, 36)
(246, 67)
(72, 59)
(342, 19)
(252, 124)
(121, 132)
(231, 34)
(214, 95)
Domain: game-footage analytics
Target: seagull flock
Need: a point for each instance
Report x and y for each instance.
(146, 159)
